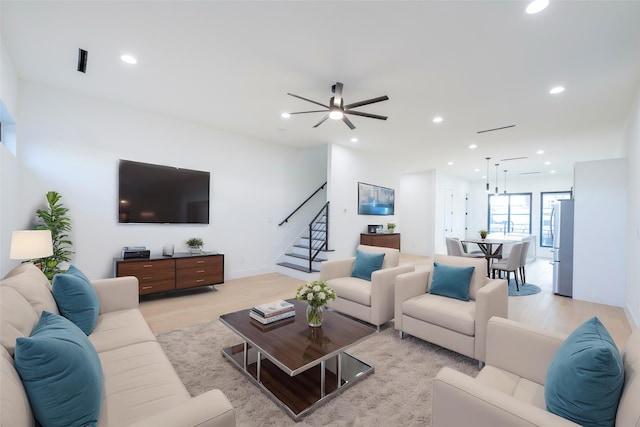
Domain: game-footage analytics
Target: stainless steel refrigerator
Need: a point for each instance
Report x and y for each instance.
(562, 233)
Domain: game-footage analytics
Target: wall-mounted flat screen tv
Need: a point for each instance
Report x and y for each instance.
(162, 194)
(375, 200)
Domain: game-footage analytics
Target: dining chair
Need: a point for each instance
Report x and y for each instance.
(523, 259)
(455, 248)
(511, 264)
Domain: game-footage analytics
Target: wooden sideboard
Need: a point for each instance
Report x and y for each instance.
(182, 271)
(385, 240)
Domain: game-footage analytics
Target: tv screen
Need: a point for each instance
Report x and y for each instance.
(375, 200)
(162, 194)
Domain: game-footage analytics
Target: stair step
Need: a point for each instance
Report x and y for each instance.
(306, 246)
(298, 267)
(291, 254)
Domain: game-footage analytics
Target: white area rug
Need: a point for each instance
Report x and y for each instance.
(398, 393)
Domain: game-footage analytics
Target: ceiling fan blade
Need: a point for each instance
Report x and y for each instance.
(321, 121)
(337, 99)
(305, 112)
(348, 122)
(371, 116)
(308, 100)
(366, 102)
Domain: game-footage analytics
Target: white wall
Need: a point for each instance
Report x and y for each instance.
(8, 161)
(599, 262)
(416, 201)
(632, 145)
(347, 168)
(71, 144)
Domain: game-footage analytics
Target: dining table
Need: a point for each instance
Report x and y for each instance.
(491, 246)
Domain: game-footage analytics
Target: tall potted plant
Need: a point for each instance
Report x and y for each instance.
(55, 218)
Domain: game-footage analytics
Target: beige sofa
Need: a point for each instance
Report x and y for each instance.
(369, 301)
(141, 388)
(509, 390)
(448, 322)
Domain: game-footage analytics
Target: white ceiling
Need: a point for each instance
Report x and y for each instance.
(479, 64)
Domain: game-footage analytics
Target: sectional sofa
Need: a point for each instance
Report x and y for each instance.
(139, 385)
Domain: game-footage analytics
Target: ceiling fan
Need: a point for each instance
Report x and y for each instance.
(337, 110)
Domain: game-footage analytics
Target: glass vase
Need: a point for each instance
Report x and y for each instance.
(314, 316)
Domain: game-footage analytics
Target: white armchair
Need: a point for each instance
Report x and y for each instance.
(509, 390)
(449, 322)
(372, 302)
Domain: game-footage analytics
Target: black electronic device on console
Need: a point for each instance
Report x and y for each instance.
(129, 252)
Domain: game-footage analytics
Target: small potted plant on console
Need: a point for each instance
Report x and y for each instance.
(195, 245)
(391, 227)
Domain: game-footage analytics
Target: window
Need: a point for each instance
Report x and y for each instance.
(547, 199)
(510, 213)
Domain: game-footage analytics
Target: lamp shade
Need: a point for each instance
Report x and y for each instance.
(31, 244)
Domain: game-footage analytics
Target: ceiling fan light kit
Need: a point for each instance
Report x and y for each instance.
(336, 109)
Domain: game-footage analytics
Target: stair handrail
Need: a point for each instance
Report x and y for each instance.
(303, 203)
(325, 244)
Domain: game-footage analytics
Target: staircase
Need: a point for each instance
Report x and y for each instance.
(304, 256)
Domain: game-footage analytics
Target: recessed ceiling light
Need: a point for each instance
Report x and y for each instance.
(556, 90)
(476, 170)
(540, 152)
(537, 6)
(552, 171)
(437, 119)
(547, 163)
(450, 163)
(354, 139)
(129, 59)
(285, 115)
(472, 146)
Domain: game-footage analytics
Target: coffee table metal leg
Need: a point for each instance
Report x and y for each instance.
(339, 369)
(258, 366)
(245, 359)
(322, 379)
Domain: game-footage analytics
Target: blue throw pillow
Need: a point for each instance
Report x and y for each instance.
(61, 373)
(366, 264)
(450, 281)
(77, 299)
(585, 378)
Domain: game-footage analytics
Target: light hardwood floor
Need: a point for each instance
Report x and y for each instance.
(544, 310)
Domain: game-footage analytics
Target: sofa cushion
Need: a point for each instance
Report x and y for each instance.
(18, 317)
(33, 285)
(14, 403)
(448, 313)
(139, 381)
(365, 264)
(352, 289)
(119, 329)
(76, 298)
(585, 377)
(478, 278)
(61, 373)
(450, 281)
(506, 382)
(628, 408)
(391, 256)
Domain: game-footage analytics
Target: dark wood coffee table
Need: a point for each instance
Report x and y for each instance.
(297, 366)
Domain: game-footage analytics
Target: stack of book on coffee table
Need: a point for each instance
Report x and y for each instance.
(272, 312)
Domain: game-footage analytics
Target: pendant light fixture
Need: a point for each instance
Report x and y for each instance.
(497, 164)
(488, 158)
(505, 181)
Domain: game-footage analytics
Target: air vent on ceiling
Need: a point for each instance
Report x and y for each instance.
(513, 158)
(82, 60)
(494, 129)
(528, 173)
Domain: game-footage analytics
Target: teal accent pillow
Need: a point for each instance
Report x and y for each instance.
(451, 281)
(77, 299)
(585, 378)
(366, 264)
(61, 373)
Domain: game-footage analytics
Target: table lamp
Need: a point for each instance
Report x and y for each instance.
(31, 244)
